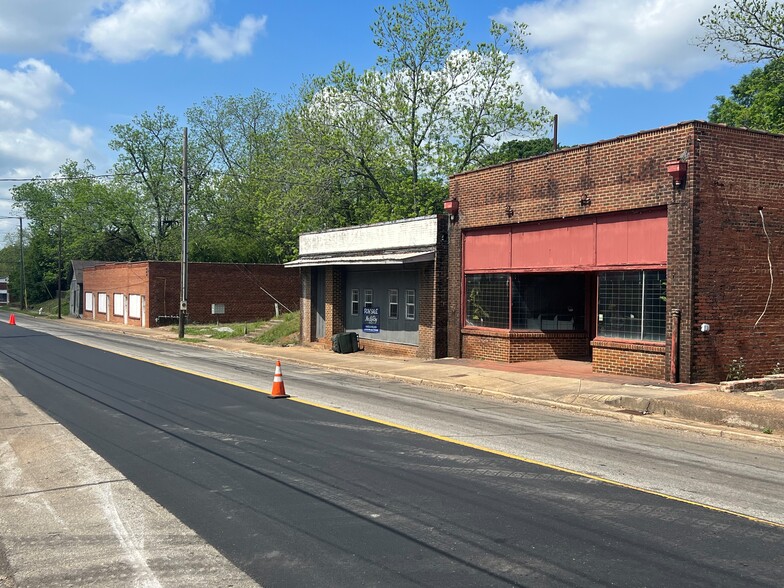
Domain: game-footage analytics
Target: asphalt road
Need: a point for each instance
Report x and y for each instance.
(729, 474)
(296, 495)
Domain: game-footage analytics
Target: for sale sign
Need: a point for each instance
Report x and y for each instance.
(370, 319)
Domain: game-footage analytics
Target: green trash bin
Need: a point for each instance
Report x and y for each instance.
(341, 343)
(354, 339)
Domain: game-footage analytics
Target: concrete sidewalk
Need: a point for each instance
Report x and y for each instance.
(757, 416)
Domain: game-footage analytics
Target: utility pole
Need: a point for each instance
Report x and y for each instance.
(184, 257)
(60, 269)
(23, 297)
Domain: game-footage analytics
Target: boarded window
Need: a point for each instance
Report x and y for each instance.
(118, 304)
(135, 306)
(88, 301)
(102, 302)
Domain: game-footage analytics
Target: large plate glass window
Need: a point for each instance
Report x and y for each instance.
(548, 302)
(487, 300)
(632, 305)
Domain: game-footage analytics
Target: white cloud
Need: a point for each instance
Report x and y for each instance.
(123, 30)
(33, 141)
(139, 28)
(36, 26)
(221, 43)
(623, 43)
(535, 95)
(29, 89)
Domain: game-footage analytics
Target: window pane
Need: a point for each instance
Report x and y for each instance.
(368, 298)
(355, 302)
(655, 321)
(393, 304)
(550, 302)
(487, 300)
(632, 305)
(410, 305)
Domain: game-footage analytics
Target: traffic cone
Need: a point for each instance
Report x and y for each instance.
(12, 320)
(278, 390)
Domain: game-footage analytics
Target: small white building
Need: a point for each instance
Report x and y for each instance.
(379, 281)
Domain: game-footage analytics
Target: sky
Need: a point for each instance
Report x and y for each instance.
(69, 71)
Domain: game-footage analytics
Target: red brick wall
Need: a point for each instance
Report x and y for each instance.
(737, 171)
(632, 359)
(307, 324)
(512, 347)
(112, 278)
(621, 174)
(248, 291)
(717, 266)
(384, 348)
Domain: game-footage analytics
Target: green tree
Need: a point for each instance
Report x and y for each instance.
(427, 108)
(240, 137)
(516, 149)
(756, 101)
(149, 165)
(81, 209)
(745, 31)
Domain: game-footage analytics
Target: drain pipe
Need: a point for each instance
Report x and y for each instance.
(675, 342)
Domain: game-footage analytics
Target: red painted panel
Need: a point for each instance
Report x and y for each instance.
(632, 239)
(487, 249)
(566, 243)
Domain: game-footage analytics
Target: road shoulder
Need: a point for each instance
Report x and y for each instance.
(67, 517)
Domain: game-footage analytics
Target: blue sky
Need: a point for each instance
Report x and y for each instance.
(71, 70)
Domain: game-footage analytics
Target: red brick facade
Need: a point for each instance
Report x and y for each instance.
(247, 291)
(717, 250)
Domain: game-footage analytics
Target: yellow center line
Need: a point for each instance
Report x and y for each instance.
(453, 441)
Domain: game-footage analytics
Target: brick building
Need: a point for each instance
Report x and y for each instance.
(146, 293)
(386, 282)
(658, 254)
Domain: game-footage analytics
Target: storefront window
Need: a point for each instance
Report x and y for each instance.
(487, 300)
(410, 305)
(632, 305)
(392, 297)
(355, 302)
(548, 302)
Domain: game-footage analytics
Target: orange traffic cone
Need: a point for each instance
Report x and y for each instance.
(278, 390)
(12, 320)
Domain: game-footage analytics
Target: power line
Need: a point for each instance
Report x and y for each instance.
(85, 177)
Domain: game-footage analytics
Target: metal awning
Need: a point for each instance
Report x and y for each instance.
(368, 258)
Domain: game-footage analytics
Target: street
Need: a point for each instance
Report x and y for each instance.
(294, 494)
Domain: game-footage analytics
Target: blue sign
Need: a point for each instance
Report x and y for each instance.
(371, 319)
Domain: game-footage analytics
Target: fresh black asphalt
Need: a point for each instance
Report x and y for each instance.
(301, 496)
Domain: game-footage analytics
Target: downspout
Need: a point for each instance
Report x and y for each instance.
(675, 345)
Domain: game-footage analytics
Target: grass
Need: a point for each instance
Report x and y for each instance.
(49, 307)
(221, 331)
(278, 332)
(284, 333)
